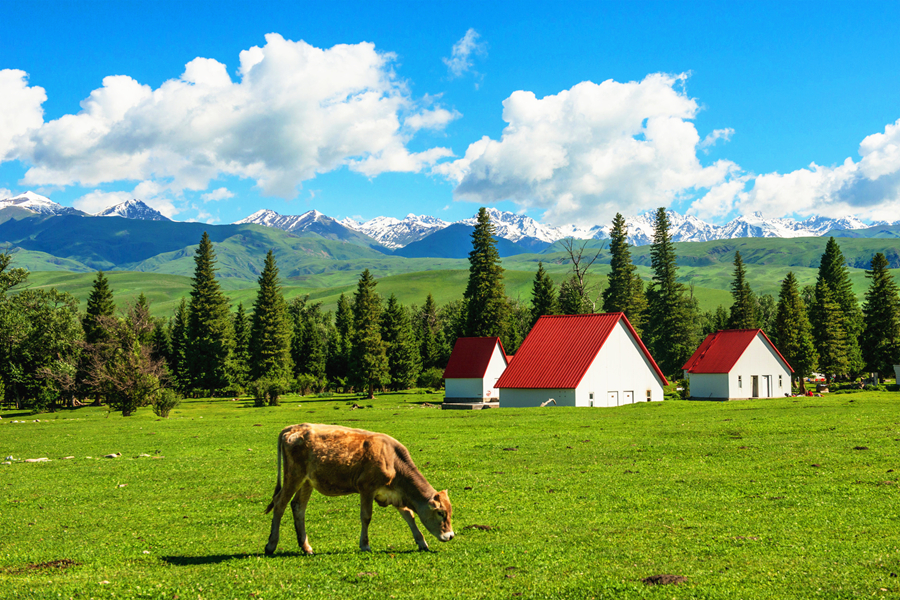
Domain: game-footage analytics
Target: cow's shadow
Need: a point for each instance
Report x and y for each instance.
(214, 559)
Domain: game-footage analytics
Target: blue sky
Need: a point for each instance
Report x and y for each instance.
(568, 112)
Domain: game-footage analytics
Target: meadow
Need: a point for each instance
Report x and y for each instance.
(783, 498)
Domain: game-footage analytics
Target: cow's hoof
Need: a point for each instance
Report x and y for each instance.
(366, 548)
(424, 548)
(308, 551)
(270, 551)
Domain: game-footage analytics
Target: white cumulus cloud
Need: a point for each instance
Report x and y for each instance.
(296, 111)
(460, 60)
(218, 194)
(591, 151)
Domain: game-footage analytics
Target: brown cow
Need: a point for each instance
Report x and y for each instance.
(337, 461)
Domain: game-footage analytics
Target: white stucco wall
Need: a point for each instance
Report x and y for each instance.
(759, 360)
(619, 367)
(478, 389)
(519, 398)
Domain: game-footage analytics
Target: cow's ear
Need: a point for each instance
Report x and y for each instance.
(445, 494)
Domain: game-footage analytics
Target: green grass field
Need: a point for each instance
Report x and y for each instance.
(786, 498)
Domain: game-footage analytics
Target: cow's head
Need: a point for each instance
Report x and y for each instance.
(436, 516)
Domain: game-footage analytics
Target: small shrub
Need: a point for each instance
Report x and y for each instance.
(685, 385)
(432, 378)
(305, 383)
(267, 390)
(164, 402)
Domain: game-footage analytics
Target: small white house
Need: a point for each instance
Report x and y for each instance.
(475, 365)
(581, 360)
(738, 363)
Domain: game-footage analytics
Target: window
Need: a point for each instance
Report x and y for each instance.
(740, 383)
(779, 381)
(649, 395)
(591, 395)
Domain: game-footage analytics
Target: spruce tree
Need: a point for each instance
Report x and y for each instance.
(625, 291)
(485, 295)
(339, 349)
(270, 332)
(571, 300)
(178, 338)
(241, 360)
(431, 336)
(670, 313)
(210, 332)
(880, 340)
(792, 332)
(309, 346)
(368, 356)
(829, 332)
(834, 272)
(100, 304)
(403, 357)
(543, 295)
(743, 309)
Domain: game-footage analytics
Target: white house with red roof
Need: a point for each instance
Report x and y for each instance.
(475, 365)
(738, 363)
(581, 360)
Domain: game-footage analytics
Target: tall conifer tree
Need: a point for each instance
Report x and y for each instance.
(403, 357)
(670, 313)
(431, 336)
(339, 352)
(792, 333)
(543, 295)
(178, 338)
(210, 331)
(834, 273)
(368, 355)
(830, 332)
(485, 295)
(625, 292)
(241, 346)
(270, 332)
(743, 309)
(100, 304)
(880, 339)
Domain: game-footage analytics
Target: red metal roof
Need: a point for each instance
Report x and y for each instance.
(471, 356)
(559, 350)
(721, 350)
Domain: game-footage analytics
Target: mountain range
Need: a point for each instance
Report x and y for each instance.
(520, 233)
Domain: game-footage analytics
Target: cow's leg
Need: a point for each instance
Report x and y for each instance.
(365, 516)
(411, 521)
(298, 507)
(280, 502)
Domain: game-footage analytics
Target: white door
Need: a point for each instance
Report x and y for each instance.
(628, 398)
(612, 398)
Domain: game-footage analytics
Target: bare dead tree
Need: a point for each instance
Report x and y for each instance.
(581, 264)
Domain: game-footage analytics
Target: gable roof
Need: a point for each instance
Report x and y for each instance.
(471, 356)
(559, 350)
(721, 350)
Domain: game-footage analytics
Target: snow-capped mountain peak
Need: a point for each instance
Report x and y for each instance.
(38, 204)
(133, 209)
(397, 233)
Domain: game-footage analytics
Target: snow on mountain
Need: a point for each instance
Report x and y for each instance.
(270, 218)
(396, 233)
(515, 227)
(38, 204)
(133, 209)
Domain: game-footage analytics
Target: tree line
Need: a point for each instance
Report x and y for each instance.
(51, 354)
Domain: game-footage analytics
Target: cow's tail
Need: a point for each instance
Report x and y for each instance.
(278, 475)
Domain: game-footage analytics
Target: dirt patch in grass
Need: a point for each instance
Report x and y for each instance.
(664, 579)
(62, 563)
(481, 527)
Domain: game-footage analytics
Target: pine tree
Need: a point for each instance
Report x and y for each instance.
(403, 357)
(766, 307)
(100, 304)
(543, 295)
(743, 310)
(241, 360)
(309, 344)
(625, 291)
(834, 272)
(792, 333)
(178, 338)
(485, 294)
(431, 336)
(339, 350)
(209, 331)
(829, 332)
(670, 314)
(270, 332)
(571, 300)
(880, 340)
(368, 357)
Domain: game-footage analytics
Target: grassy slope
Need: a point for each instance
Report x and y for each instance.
(750, 499)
